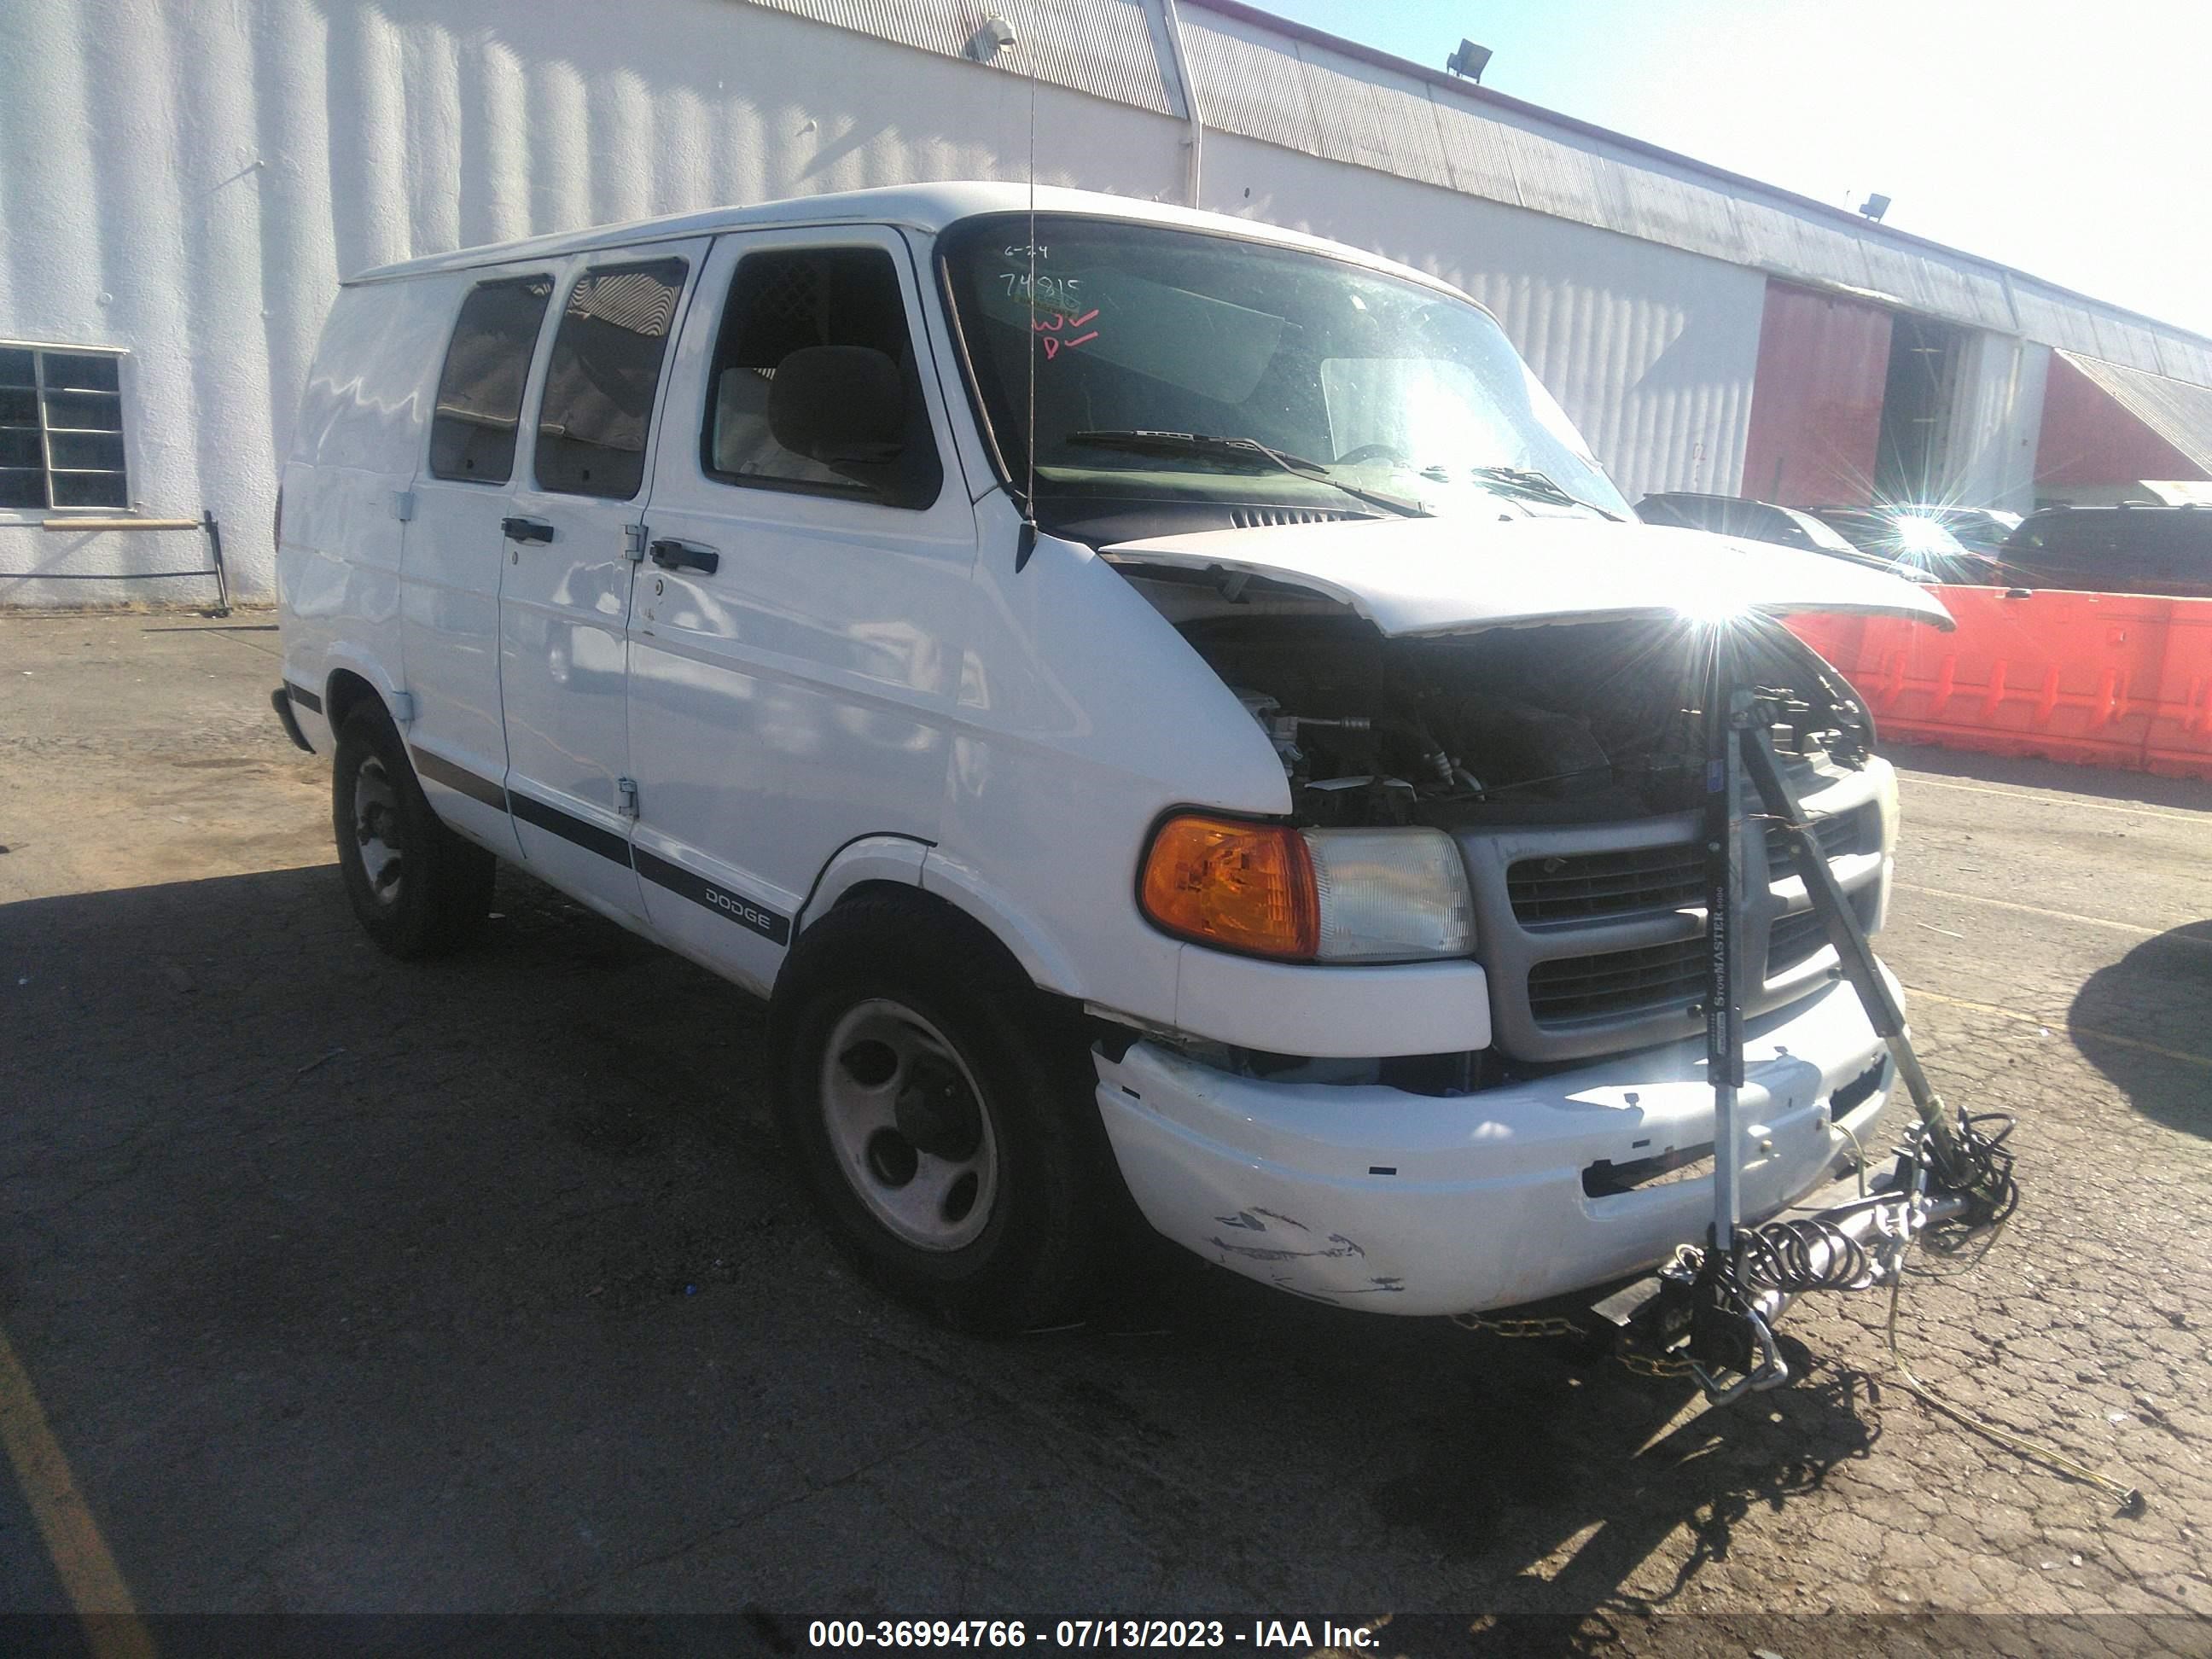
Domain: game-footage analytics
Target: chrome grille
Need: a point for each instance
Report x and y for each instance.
(1572, 887)
(1794, 939)
(1594, 934)
(1840, 835)
(1614, 982)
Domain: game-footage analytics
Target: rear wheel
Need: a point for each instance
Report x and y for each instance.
(940, 1111)
(417, 889)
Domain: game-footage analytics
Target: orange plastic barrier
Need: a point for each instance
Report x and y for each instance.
(2105, 679)
(2180, 739)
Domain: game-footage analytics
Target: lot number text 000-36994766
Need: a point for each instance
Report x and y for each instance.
(1079, 1633)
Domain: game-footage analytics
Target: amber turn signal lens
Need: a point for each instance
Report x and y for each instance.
(1241, 886)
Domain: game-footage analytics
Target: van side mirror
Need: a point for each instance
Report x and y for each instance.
(841, 405)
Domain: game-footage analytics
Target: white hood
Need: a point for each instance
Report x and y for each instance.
(1462, 575)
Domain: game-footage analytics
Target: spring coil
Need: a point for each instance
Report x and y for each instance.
(1802, 1254)
(1987, 1165)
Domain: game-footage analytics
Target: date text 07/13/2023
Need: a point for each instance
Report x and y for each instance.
(1092, 1633)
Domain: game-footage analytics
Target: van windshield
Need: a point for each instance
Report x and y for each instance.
(1175, 363)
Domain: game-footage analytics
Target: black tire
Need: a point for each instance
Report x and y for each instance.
(1052, 1215)
(417, 888)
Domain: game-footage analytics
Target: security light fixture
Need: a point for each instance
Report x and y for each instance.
(992, 36)
(1873, 207)
(1469, 61)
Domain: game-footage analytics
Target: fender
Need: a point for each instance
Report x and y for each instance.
(350, 656)
(313, 670)
(886, 858)
(1049, 966)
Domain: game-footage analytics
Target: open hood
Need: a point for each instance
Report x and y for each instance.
(1463, 574)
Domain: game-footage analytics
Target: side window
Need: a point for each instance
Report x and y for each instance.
(1733, 517)
(2174, 543)
(1762, 523)
(2063, 546)
(480, 390)
(785, 302)
(598, 409)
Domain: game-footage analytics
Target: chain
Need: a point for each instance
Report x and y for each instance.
(1644, 1365)
(1554, 1327)
(1520, 1329)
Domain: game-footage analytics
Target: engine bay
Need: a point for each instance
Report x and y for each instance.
(1567, 723)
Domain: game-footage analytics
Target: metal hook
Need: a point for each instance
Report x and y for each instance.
(1770, 1372)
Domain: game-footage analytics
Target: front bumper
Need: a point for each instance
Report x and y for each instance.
(1411, 1203)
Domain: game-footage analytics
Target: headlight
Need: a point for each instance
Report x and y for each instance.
(1309, 894)
(1885, 800)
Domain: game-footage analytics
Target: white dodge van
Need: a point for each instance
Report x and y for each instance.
(1165, 708)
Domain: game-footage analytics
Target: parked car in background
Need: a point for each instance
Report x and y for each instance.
(1979, 529)
(1907, 541)
(2115, 549)
(1732, 516)
(1791, 526)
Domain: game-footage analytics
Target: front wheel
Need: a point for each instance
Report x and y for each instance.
(417, 889)
(940, 1111)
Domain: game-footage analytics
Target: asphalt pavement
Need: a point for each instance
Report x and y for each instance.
(337, 1285)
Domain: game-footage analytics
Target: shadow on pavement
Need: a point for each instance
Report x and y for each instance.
(478, 1285)
(2143, 1023)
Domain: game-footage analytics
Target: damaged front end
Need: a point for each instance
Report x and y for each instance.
(1566, 762)
(1558, 726)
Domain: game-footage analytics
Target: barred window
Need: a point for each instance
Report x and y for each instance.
(61, 430)
(480, 388)
(594, 417)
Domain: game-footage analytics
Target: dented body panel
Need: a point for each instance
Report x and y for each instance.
(1376, 1199)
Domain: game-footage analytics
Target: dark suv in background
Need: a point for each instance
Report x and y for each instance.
(1979, 529)
(2165, 551)
(1910, 542)
(1757, 521)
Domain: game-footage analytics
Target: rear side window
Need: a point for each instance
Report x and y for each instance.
(597, 412)
(1762, 523)
(480, 391)
(2065, 542)
(2175, 544)
(785, 302)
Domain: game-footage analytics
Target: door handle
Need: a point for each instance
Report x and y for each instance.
(527, 530)
(685, 555)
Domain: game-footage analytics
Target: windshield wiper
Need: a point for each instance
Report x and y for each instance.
(1537, 486)
(1137, 442)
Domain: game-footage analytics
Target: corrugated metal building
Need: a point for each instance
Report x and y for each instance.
(186, 181)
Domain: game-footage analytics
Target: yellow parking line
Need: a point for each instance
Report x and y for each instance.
(1921, 779)
(2077, 1032)
(112, 1626)
(2135, 927)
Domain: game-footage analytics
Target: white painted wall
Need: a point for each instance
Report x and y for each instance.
(1651, 350)
(187, 179)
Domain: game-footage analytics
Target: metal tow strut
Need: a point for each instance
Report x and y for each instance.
(1710, 1312)
(1727, 1331)
(1729, 1321)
